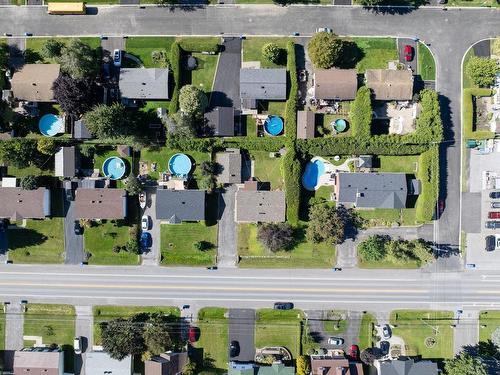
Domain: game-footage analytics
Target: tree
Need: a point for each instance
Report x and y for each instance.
(422, 251)
(209, 168)
(4, 55)
(46, 146)
(52, 49)
(75, 96)
(29, 182)
(132, 185)
(132, 246)
(464, 364)
(481, 70)
(156, 335)
(18, 152)
(122, 337)
(495, 337)
(111, 121)
(78, 60)
(303, 365)
(88, 150)
(271, 52)
(203, 245)
(325, 50)
(275, 236)
(373, 248)
(189, 368)
(180, 124)
(160, 57)
(192, 101)
(207, 183)
(325, 224)
(361, 113)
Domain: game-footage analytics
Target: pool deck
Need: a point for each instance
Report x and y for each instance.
(328, 177)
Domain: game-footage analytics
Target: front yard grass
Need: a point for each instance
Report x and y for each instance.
(303, 255)
(377, 52)
(380, 216)
(415, 326)
(334, 323)
(466, 81)
(214, 338)
(177, 244)
(142, 47)
(267, 169)
(489, 321)
(279, 328)
(35, 45)
(366, 331)
(426, 64)
(252, 50)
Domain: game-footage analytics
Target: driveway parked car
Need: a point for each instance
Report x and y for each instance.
(283, 306)
(234, 349)
(354, 352)
(78, 228)
(495, 195)
(386, 331)
(492, 224)
(495, 204)
(77, 345)
(408, 51)
(117, 58)
(145, 221)
(384, 347)
(490, 243)
(192, 334)
(335, 340)
(493, 215)
(146, 241)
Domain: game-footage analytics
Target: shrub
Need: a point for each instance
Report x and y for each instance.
(275, 236)
(373, 248)
(192, 101)
(468, 113)
(175, 65)
(291, 104)
(481, 70)
(272, 52)
(428, 174)
(203, 245)
(324, 50)
(291, 174)
(361, 113)
(29, 182)
(200, 44)
(160, 57)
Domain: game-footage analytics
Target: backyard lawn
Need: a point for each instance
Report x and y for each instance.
(426, 64)
(279, 328)
(203, 76)
(418, 326)
(141, 47)
(267, 169)
(99, 241)
(489, 321)
(213, 342)
(376, 53)
(303, 255)
(35, 45)
(366, 329)
(103, 153)
(177, 244)
(404, 164)
(252, 50)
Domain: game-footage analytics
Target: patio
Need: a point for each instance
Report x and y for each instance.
(401, 115)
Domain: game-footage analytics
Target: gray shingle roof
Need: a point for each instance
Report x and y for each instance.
(305, 124)
(176, 206)
(373, 190)
(81, 131)
(16, 203)
(221, 120)
(408, 367)
(141, 83)
(100, 363)
(65, 162)
(265, 84)
(260, 206)
(231, 167)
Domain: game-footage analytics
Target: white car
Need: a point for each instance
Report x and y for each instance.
(145, 222)
(117, 58)
(324, 30)
(335, 341)
(77, 345)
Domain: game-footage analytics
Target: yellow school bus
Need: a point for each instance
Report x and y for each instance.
(66, 8)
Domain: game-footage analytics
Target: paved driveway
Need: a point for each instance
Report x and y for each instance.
(152, 257)
(84, 325)
(226, 90)
(227, 229)
(402, 42)
(73, 243)
(242, 329)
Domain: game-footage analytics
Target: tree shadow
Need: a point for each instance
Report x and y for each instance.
(396, 7)
(24, 237)
(350, 55)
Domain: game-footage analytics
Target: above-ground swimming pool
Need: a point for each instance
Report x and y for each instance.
(314, 170)
(273, 125)
(180, 165)
(339, 125)
(50, 125)
(114, 168)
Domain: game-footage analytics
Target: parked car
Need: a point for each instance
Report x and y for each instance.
(495, 195)
(354, 352)
(78, 228)
(212, 268)
(69, 194)
(145, 221)
(492, 224)
(192, 334)
(77, 345)
(386, 331)
(117, 58)
(440, 207)
(146, 241)
(384, 347)
(283, 306)
(490, 243)
(324, 30)
(408, 51)
(470, 266)
(493, 215)
(495, 204)
(335, 341)
(234, 349)
(442, 1)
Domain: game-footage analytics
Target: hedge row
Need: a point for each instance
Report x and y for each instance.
(361, 113)
(213, 144)
(291, 104)
(292, 169)
(209, 44)
(428, 174)
(429, 126)
(468, 108)
(175, 65)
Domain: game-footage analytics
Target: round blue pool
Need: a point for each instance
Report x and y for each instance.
(273, 125)
(340, 125)
(180, 165)
(50, 125)
(114, 168)
(314, 170)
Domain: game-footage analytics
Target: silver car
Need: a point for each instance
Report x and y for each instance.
(335, 340)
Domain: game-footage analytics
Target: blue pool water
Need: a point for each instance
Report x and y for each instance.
(180, 165)
(340, 125)
(114, 168)
(273, 125)
(50, 125)
(310, 178)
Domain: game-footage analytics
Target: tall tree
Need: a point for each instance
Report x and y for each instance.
(46, 146)
(78, 60)
(29, 182)
(326, 223)
(373, 248)
(192, 101)
(52, 48)
(4, 55)
(75, 96)
(465, 364)
(112, 121)
(157, 335)
(272, 52)
(481, 70)
(132, 185)
(325, 49)
(122, 337)
(275, 236)
(18, 152)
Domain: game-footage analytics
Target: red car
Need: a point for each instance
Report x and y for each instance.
(354, 352)
(192, 334)
(408, 53)
(493, 215)
(441, 207)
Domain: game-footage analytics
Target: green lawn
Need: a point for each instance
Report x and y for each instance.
(103, 153)
(366, 331)
(414, 326)
(2, 330)
(250, 125)
(34, 45)
(409, 216)
(267, 169)
(252, 50)
(473, 3)
(403, 164)
(99, 241)
(324, 128)
(323, 2)
(214, 340)
(380, 216)
(489, 321)
(467, 83)
(142, 46)
(279, 328)
(334, 323)
(426, 64)
(203, 76)
(376, 53)
(303, 255)
(177, 244)
(276, 108)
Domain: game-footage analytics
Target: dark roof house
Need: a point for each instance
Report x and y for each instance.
(231, 163)
(305, 124)
(337, 84)
(143, 83)
(176, 206)
(260, 206)
(335, 366)
(33, 83)
(406, 367)
(389, 84)
(38, 361)
(221, 121)
(166, 364)
(372, 190)
(100, 203)
(262, 84)
(364, 161)
(65, 162)
(17, 204)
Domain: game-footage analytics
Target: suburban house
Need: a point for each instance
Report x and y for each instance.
(230, 163)
(220, 121)
(80, 130)
(390, 84)
(100, 363)
(18, 204)
(277, 368)
(371, 190)
(406, 366)
(33, 82)
(166, 364)
(65, 162)
(261, 84)
(38, 361)
(100, 203)
(143, 84)
(326, 365)
(335, 84)
(306, 127)
(176, 206)
(260, 206)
